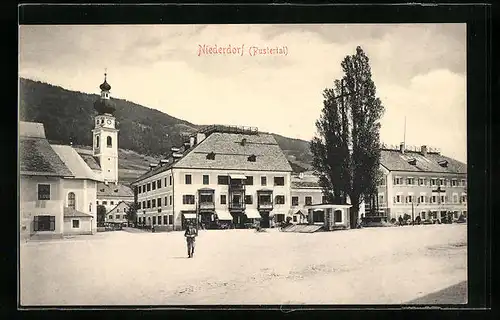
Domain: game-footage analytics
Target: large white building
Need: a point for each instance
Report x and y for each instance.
(57, 189)
(421, 183)
(221, 175)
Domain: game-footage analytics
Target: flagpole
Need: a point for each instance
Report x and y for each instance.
(404, 135)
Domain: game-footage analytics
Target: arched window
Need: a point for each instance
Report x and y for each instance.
(71, 200)
(97, 142)
(109, 142)
(90, 207)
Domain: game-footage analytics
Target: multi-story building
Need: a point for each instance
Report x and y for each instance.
(305, 191)
(118, 214)
(222, 174)
(421, 183)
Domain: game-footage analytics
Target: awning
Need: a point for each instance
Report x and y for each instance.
(224, 215)
(189, 215)
(237, 176)
(252, 213)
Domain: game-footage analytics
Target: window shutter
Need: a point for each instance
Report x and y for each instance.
(35, 223)
(52, 223)
(394, 200)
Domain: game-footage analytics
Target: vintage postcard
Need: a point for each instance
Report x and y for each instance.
(250, 164)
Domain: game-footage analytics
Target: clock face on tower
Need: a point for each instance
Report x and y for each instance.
(109, 121)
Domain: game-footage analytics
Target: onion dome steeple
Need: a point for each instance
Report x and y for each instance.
(105, 85)
(104, 103)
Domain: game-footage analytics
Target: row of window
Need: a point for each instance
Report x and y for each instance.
(109, 142)
(319, 216)
(44, 194)
(429, 199)
(105, 203)
(221, 180)
(153, 203)
(434, 214)
(159, 220)
(307, 200)
(116, 216)
(432, 181)
(208, 198)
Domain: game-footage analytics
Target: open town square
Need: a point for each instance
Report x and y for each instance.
(393, 265)
(342, 182)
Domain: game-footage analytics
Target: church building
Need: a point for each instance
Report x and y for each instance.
(61, 186)
(104, 153)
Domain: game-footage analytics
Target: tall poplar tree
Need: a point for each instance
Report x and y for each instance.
(346, 150)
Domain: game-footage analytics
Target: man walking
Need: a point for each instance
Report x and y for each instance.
(190, 235)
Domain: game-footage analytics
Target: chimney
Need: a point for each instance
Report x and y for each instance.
(423, 150)
(402, 147)
(200, 137)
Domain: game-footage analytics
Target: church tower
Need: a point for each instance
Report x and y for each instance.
(105, 135)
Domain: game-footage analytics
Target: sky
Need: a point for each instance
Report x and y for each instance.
(418, 69)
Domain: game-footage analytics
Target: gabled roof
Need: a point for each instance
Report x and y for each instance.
(72, 213)
(232, 154)
(37, 158)
(394, 160)
(88, 157)
(113, 191)
(121, 203)
(75, 163)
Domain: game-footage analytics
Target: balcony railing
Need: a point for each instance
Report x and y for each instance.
(237, 206)
(236, 186)
(265, 206)
(207, 205)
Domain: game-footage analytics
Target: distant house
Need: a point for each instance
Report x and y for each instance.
(57, 188)
(119, 213)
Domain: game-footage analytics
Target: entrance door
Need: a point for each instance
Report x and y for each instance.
(264, 221)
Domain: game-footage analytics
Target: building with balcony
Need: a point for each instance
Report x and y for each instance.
(220, 175)
(57, 188)
(421, 183)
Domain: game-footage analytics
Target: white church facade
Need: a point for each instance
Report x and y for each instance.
(61, 186)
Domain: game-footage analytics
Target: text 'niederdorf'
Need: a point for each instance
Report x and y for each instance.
(231, 50)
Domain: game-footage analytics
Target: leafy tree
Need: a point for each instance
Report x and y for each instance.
(101, 214)
(346, 150)
(132, 213)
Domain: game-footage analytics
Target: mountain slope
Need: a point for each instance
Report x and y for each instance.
(68, 116)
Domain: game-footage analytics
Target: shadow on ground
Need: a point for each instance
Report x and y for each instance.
(456, 294)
